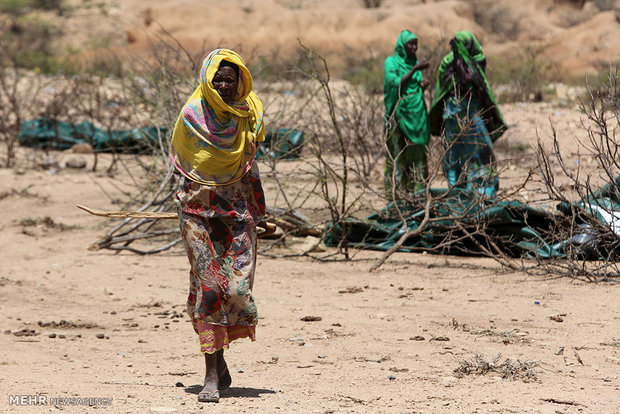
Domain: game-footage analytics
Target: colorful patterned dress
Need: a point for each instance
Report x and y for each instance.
(218, 227)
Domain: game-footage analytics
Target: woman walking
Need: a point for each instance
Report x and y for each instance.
(219, 204)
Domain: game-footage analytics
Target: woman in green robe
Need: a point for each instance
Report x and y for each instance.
(406, 117)
(465, 110)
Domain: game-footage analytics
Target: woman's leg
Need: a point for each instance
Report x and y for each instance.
(414, 160)
(223, 375)
(210, 393)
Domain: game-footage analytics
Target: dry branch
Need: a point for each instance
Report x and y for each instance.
(155, 215)
(265, 228)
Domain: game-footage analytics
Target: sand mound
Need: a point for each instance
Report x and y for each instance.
(579, 38)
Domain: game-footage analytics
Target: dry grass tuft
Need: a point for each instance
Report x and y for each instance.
(508, 369)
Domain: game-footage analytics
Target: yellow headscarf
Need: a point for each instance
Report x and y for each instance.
(214, 143)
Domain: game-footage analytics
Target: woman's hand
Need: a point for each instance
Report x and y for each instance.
(418, 66)
(423, 65)
(463, 71)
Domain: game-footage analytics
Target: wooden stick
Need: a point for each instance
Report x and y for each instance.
(266, 227)
(131, 214)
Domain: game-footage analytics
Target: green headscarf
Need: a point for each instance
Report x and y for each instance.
(407, 106)
(470, 52)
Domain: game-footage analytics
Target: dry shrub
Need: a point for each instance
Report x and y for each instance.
(507, 369)
(522, 77)
(588, 228)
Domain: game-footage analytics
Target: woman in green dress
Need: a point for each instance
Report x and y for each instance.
(406, 117)
(465, 110)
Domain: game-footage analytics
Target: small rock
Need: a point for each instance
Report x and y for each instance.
(417, 338)
(82, 148)
(311, 318)
(391, 377)
(321, 356)
(61, 336)
(556, 318)
(240, 371)
(113, 313)
(441, 339)
(52, 335)
(179, 384)
(75, 162)
(141, 341)
(560, 351)
(100, 336)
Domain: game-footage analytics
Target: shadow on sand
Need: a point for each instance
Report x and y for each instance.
(234, 392)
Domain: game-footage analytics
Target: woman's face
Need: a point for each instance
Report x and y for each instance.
(411, 47)
(225, 83)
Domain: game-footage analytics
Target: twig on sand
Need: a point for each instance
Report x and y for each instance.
(557, 401)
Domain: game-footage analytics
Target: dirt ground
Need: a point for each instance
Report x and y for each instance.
(78, 323)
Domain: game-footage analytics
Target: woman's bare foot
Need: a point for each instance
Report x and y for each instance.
(210, 392)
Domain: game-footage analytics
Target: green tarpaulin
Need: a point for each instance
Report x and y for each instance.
(282, 143)
(47, 133)
(59, 135)
(517, 229)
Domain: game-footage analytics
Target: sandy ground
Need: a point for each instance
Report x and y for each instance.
(111, 326)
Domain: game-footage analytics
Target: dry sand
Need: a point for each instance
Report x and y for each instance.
(387, 342)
